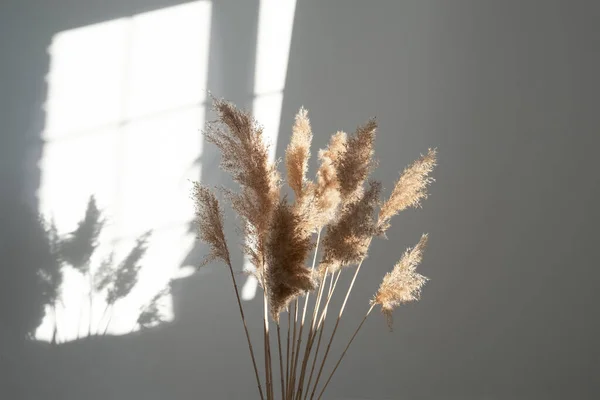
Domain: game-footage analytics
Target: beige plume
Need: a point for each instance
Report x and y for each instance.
(347, 239)
(410, 189)
(298, 153)
(356, 162)
(327, 187)
(209, 219)
(287, 249)
(403, 284)
(245, 157)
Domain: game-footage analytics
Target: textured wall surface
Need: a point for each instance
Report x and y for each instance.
(507, 92)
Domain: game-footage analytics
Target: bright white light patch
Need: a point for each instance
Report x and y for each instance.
(275, 25)
(124, 110)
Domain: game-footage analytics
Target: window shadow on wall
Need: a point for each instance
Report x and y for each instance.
(177, 359)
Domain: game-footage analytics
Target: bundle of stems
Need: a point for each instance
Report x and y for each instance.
(333, 218)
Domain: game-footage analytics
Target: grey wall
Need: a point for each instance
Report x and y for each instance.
(507, 91)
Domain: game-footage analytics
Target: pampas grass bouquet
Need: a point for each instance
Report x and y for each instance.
(300, 247)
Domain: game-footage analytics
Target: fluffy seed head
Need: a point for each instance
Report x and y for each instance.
(327, 187)
(403, 284)
(245, 156)
(298, 153)
(209, 220)
(287, 248)
(347, 239)
(410, 189)
(356, 162)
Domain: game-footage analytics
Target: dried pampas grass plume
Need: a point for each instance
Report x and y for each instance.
(410, 189)
(403, 284)
(327, 187)
(347, 239)
(356, 162)
(298, 153)
(209, 219)
(338, 210)
(287, 249)
(245, 156)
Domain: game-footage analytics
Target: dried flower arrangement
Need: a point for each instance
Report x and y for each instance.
(337, 212)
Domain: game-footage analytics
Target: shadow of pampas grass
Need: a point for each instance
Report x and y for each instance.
(340, 211)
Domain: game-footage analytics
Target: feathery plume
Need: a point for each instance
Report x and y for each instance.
(356, 162)
(287, 248)
(327, 187)
(410, 189)
(347, 239)
(298, 153)
(245, 156)
(278, 234)
(403, 284)
(209, 219)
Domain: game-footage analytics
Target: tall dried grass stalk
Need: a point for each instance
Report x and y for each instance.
(348, 240)
(305, 207)
(209, 220)
(340, 210)
(294, 352)
(287, 353)
(337, 322)
(320, 328)
(343, 353)
(280, 361)
(244, 154)
(402, 285)
(288, 246)
(267, 340)
(318, 300)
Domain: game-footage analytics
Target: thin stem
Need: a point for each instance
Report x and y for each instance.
(321, 328)
(337, 322)
(266, 363)
(310, 333)
(312, 370)
(311, 336)
(295, 361)
(329, 296)
(312, 269)
(237, 295)
(319, 298)
(267, 340)
(345, 350)
(292, 375)
(287, 352)
(280, 360)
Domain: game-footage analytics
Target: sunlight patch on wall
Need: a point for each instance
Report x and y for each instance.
(124, 111)
(275, 25)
